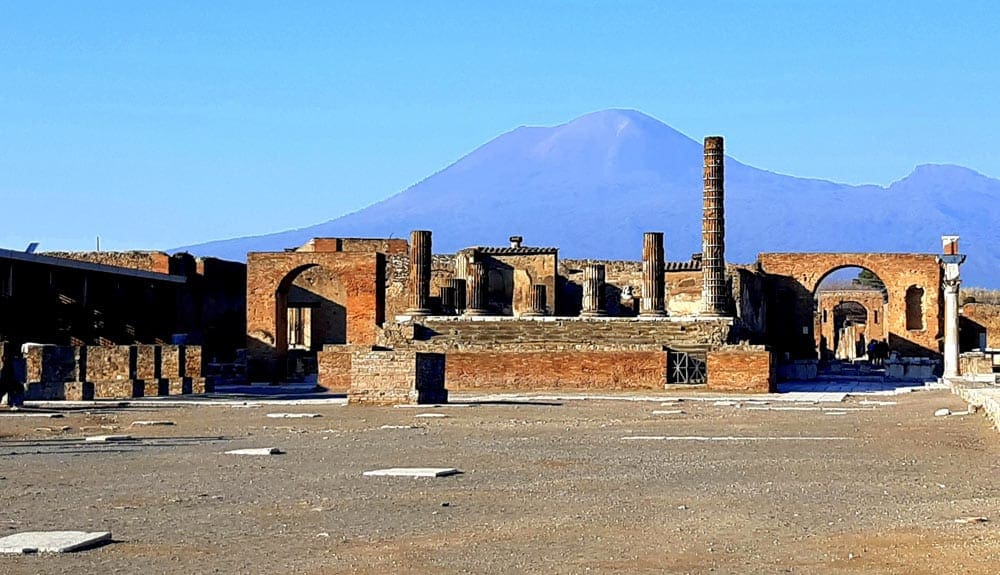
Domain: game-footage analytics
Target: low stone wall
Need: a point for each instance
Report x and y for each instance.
(334, 367)
(568, 369)
(112, 372)
(388, 377)
(977, 365)
(798, 370)
(911, 368)
(744, 369)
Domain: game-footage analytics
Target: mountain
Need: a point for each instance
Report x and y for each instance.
(592, 186)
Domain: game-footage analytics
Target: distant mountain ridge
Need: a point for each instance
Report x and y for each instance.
(592, 186)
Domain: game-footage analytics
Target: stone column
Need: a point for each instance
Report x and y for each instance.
(951, 282)
(593, 291)
(475, 289)
(420, 272)
(458, 285)
(713, 231)
(447, 296)
(653, 285)
(537, 301)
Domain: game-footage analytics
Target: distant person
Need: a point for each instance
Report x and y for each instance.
(883, 351)
(872, 351)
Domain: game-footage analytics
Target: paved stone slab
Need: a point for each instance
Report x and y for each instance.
(413, 472)
(430, 415)
(668, 412)
(293, 415)
(400, 427)
(41, 415)
(153, 422)
(726, 438)
(108, 438)
(256, 451)
(52, 541)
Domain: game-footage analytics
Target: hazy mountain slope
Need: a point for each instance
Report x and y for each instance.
(593, 185)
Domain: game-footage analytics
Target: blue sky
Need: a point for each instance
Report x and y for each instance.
(160, 124)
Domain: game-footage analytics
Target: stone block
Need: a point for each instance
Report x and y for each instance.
(385, 377)
(118, 389)
(744, 369)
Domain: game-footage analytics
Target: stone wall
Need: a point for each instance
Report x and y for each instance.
(984, 318)
(334, 367)
(792, 280)
(111, 372)
(386, 377)
(568, 369)
(624, 277)
(148, 261)
(974, 363)
(550, 333)
(742, 369)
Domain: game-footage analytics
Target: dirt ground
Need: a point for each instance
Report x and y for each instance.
(554, 487)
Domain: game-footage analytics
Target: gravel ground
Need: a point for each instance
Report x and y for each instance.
(546, 487)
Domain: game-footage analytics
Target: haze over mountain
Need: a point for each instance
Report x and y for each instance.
(592, 186)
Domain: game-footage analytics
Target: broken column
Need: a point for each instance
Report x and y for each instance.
(537, 301)
(653, 285)
(593, 291)
(475, 289)
(713, 231)
(447, 296)
(420, 272)
(951, 261)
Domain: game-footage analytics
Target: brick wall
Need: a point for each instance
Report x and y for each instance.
(334, 367)
(793, 278)
(623, 276)
(382, 377)
(570, 369)
(984, 317)
(158, 262)
(744, 369)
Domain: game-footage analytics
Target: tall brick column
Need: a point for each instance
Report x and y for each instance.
(475, 289)
(653, 285)
(593, 291)
(537, 301)
(713, 231)
(420, 272)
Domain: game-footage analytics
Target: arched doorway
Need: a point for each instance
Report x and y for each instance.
(310, 312)
(850, 309)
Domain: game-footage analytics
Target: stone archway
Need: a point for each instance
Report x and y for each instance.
(794, 277)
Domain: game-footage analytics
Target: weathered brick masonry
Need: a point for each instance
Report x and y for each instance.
(568, 369)
(387, 377)
(744, 369)
(982, 317)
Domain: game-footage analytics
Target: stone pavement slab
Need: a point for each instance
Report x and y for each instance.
(413, 472)
(256, 451)
(52, 541)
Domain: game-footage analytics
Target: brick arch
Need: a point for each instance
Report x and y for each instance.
(794, 278)
(271, 273)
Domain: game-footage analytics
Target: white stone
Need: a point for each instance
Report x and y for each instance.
(293, 415)
(668, 412)
(413, 472)
(726, 438)
(153, 422)
(726, 404)
(399, 427)
(42, 415)
(51, 541)
(256, 451)
(972, 520)
(430, 415)
(944, 411)
(108, 438)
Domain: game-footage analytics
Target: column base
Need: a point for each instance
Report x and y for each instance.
(418, 311)
(477, 312)
(594, 313)
(533, 314)
(653, 313)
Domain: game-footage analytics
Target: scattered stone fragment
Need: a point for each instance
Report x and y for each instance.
(153, 422)
(108, 438)
(960, 413)
(726, 403)
(256, 451)
(32, 414)
(944, 411)
(430, 415)
(668, 412)
(835, 413)
(966, 520)
(52, 541)
(293, 415)
(413, 472)
(875, 402)
(399, 427)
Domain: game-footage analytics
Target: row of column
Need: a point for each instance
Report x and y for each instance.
(653, 304)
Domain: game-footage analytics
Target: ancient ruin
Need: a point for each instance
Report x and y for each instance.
(350, 311)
